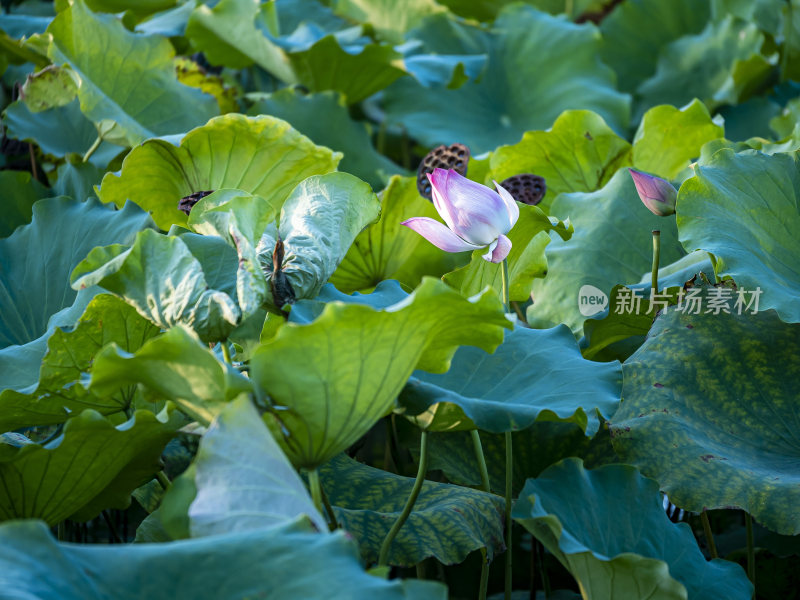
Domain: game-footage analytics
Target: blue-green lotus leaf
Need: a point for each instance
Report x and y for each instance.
(37, 261)
(711, 409)
(324, 118)
(745, 210)
(448, 521)
(608, 528)
(243, 479)
(126, 78)
(526, 45)
(70, 355)
(534, 375)
(288, 561)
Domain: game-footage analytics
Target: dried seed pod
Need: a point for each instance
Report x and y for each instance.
(187, 202)
(454, 157)
(282, 290)
(526, 188)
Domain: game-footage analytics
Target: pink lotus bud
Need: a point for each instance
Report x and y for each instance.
(658, 195)
(476, 216)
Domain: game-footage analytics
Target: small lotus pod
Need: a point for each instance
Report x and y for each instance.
(526, 188)
(187, 202)
(454, 157)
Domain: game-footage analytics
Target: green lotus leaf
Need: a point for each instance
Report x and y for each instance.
(260, 155)
(535, 448)
(243, 479)
(571, 510)
(713, 65)
(579, 153)
(387, 250)
(526, 261)
(34, 283)
(330, 381)
(90, 466)
(161, 278)
(743, 209)
(711, 415)
(176, 366)
(124, 77)
(239, 218)
(390, 19)
(318, 223)
(299, 21)
(70, 354)
(51, 87)
(669, 138)
(612, 244)
(532, 376)
(58, 131)
(324, 118)
(522, 48)
(20, 192)
(143, 7)
(448, 521)
(784, 124)
(229, 34)
(287, 561)
(632, 49)
(326, 65)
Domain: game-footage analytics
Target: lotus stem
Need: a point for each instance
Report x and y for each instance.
(504, 284)
(656, 258)
(163, 480)
(751, 551)
(412, 499)
(712, 547)
(476, 443)
(509, 480)
(484, 585)
(93, 148)
(226, 352)
(316, 489)
(333, 524)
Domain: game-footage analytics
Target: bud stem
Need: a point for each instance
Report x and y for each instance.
(316, 490)
(226, 352)
(504, 284)
(656, 258)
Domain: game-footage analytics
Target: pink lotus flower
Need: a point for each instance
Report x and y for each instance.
(658, 194)
(476, 216)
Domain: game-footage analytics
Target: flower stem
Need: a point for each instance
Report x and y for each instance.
(504, 283)
(163, 480)
(476, 443)
(412, 498)
(751, 551)
(656, 258)
(226, 352)
(712, 547)
(333, 524)
(316, 489)
(509, 479)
